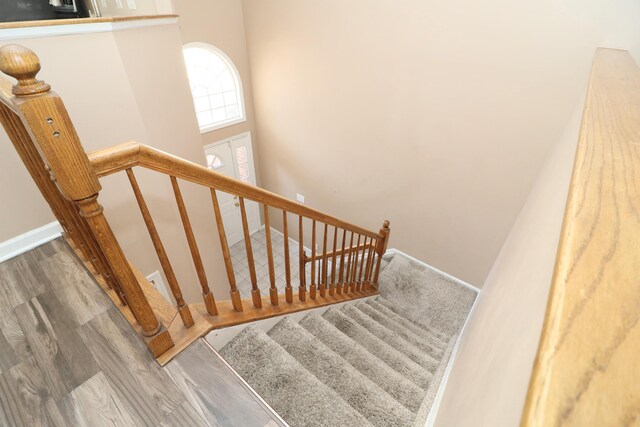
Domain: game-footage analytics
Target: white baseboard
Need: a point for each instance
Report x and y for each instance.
(433, 412)
(29, 240)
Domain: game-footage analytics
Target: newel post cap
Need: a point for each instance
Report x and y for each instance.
(386, 224)
(23, 65)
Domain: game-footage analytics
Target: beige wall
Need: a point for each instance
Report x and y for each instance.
(490, 375)
(115, 94)
(221, 24)
(435, 115)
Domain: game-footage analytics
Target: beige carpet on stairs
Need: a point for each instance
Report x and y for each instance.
(369, 363)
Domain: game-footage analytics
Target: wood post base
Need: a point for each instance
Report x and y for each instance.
(273, 295)
(159, 343)
(257, 298)
(236, 301)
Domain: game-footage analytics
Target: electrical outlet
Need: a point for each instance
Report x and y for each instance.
(156, 280)
(300, 198)
(131, 4)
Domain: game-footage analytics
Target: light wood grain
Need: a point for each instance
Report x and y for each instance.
(100, 405)
(273, 291)
(195, 252)
(44, 114)
(160, 250)
(255, 292)
(332, 284)
(59, 351)
(130, 154)
(231, 276)
(227, 316)
(25, 399)
(587, 370)
(213, 390)
(77, 21)
(287, 260)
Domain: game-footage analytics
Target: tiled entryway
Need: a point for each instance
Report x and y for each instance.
(258, 243)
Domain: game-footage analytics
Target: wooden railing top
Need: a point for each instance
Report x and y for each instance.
(127, 155)
(77, 21)
(587, 370)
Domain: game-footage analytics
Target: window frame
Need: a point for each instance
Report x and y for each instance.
(238, 80)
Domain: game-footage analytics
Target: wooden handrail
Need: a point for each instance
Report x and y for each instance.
(46, 123)
(38, 124)
(127, 155)
(586, 369)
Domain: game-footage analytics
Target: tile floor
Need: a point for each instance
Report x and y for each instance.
(258, 244)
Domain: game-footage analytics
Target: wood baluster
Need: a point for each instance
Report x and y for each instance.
(273, 291)
(352, 279)
(236, 301)
(345, 285)
(183, 309)
(332, 284)
(287, 267)
(312, 285)
(207, 296)
(367, 274)
(359, 285)
(341, 275)
(323, 280)
(381, 248)
(255, 292)
(302, 290)
(45, 115)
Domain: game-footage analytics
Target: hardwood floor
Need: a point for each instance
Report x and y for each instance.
(69, 358)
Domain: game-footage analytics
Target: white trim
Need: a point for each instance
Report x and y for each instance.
(88, 28)
(229, 140)
(246, 384)
(435, 406)
(223, 124)
(432, 268)
(29, 240)
(236, 76)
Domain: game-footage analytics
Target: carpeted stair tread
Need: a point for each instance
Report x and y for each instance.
(375, 404)
(392, 357)
(290, 389)
(402, 389)
(438, 338)
(422, 342)
(411, 351)
(422, 325)
(425, 295)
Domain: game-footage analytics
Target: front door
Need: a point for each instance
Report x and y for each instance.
(233, 157)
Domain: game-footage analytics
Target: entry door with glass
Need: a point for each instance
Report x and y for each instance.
(233, 157)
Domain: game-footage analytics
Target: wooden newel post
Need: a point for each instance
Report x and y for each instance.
(44, 114)
(381, 248)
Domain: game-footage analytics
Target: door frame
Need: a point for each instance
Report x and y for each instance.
(230, 140)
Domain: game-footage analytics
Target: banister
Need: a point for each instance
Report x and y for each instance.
(130, 154)
(586, 369)
(46, 125)
(41, 130)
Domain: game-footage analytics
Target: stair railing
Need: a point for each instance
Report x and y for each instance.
(358, 274)
(39, 126)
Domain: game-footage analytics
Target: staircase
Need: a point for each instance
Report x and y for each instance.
(375, 362)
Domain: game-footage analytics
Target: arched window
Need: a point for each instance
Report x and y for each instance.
(215, 86)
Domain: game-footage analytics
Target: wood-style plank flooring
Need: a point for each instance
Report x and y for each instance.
(69, 358)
